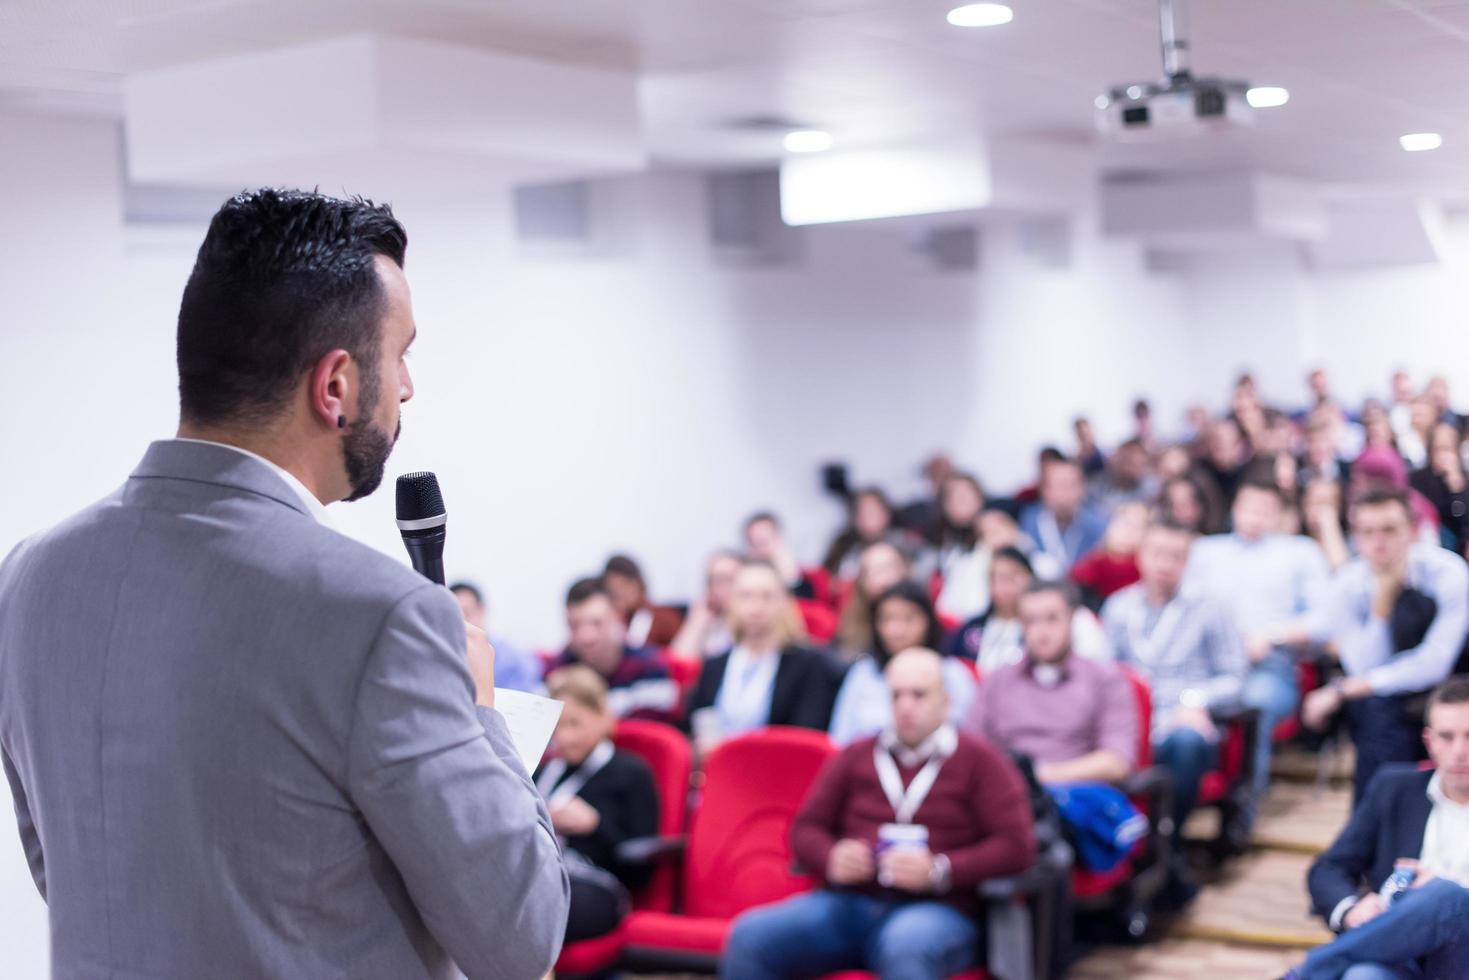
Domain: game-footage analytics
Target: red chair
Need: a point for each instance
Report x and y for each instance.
(667, 753)
(738, 852)
(1130, 888)
(819, 619)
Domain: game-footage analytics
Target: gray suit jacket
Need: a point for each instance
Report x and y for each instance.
(244, 745)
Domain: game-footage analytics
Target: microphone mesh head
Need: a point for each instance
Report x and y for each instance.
(419, 497)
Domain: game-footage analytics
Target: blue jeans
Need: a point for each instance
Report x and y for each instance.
(1381, 733)
(1272, 687)
(825, 931)
(1187, 756)
(1425, 934)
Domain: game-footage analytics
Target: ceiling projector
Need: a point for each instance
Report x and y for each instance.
(1180, 104)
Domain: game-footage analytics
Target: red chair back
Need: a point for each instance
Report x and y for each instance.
(685, 673)
(820, 620)
(739, 851)
(1144, 696)
(667, 753)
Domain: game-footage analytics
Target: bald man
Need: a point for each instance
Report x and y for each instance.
(903, 826)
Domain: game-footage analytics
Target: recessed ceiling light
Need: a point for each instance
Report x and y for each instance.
(1267, 97)
(981, 15)
(807, 141)
(1415, 142)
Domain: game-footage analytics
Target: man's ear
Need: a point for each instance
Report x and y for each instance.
(331, 387)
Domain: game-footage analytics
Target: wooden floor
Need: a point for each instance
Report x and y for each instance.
(1251, 918)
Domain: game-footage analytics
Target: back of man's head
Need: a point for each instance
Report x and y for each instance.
(282, 279)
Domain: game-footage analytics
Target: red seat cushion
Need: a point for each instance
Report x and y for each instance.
(1086, 883)
(592, 955)
(661, 930)
(1213, 788)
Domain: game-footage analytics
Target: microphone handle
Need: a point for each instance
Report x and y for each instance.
(426, 552)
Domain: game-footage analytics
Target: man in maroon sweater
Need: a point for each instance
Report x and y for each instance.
(904, 827)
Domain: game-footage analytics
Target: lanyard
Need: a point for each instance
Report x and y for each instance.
(744, 695)
(1052, 541)
(905, 803)
(594, 764)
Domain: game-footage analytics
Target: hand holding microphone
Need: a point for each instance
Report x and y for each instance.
(423, 522)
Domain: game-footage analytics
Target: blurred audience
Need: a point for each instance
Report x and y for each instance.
(901, 828)
(705, 631)
(765, 541)
(880, 567)
(870, 520)
(769, 677)
(515, 668)
(1413, 823)
(598, 798)
(1187, 650)
(1397, 617)
(902, 618)
(1113, 566)
(639, 685)
(1060, 523)
(647, 624)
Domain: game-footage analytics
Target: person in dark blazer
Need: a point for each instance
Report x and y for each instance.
(767, 678)
(1409, 817)
(598, 798)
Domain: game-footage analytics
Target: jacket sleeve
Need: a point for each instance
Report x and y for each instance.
(1338, 874)
(29, 838)
(440, 785)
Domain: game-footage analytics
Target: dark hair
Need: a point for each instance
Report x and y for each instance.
(945, 533)
(1062, 588)
(1258, 481)
(471, 588)
(913, 594)
(1171, 526)
(1378, 495)
(625, 567)
(848, 538)
(585, 589)
(759, 516)
(1455, 690)
(1206, 490)
(1013, 554)
(282, 278)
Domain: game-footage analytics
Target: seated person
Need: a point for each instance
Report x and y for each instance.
(598, 797)
(515, 668)
(767, 678)
(1060, 522)
(1189, 653)
(638, 684)
(995, 639)
(1075, 718)
(1267, 582)
(881, 566)
(647, 624)
(870, 520)
(1113, 566)
(765, 540)
(903, 618)
(705, 631)
(898, 900)
(1398, 614)
(1414, 817)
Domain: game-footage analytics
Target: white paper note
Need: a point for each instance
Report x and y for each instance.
(531, 720)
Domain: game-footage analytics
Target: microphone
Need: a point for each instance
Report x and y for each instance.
(421, 521)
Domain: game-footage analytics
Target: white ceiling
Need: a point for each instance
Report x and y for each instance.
(1360, 72)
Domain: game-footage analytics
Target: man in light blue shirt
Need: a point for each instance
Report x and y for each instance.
(1398, 615)
(1268, 582)
(1061, 524)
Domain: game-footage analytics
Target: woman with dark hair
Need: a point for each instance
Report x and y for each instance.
(1444, 483)
(1194, 503)
(956, 553)
(1324, 519)
(870, 520)
(880, 566)
(994, 638)
(902, 618)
